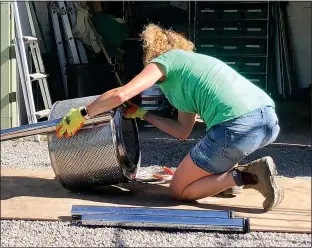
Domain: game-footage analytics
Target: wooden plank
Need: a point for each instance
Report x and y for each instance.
(36, 195)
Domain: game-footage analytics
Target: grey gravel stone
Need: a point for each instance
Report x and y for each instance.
(62, 234)
(291, 162)
(26, 154)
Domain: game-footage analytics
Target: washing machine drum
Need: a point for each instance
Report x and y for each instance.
(98, 155)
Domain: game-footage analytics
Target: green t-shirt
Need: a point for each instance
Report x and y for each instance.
(197, 83)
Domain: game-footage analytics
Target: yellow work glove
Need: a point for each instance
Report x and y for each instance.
(70, 124)
(134, 111)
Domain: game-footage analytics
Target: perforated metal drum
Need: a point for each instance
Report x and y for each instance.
(105, 154)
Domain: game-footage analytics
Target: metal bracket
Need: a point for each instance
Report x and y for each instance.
(117, 67)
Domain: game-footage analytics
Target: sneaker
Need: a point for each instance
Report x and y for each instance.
(235, 190)
(265, 170)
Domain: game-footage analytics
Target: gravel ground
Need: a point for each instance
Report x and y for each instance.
(54, 234)
(160, 151)
(156, 151)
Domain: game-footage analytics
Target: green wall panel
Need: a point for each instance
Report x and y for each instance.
(8, 69)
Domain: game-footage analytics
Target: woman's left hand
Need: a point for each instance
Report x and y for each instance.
(134, 111)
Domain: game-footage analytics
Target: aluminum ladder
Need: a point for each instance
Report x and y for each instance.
(26, 77)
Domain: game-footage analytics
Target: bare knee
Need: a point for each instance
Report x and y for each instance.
(186, 174)
(185, 195)
(175, 193)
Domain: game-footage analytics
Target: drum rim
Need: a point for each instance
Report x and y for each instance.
(128, 169)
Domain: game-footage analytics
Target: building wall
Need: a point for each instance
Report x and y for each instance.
(299, 14)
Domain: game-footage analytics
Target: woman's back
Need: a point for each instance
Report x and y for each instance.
(207, 86)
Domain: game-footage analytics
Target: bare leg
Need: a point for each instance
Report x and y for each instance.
(192, 183)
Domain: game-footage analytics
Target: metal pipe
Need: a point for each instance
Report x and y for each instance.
(45, 127)
(78, 210)
(288, 145)
(164, 221)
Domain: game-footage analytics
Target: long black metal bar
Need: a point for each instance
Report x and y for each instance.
(165, 221)
(90, 210)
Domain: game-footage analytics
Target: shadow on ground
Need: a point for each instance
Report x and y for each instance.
(133, 194)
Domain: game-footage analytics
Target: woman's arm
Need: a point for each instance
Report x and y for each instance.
(180, 129)
(115, 97)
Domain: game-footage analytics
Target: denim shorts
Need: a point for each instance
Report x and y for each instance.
(226, 144)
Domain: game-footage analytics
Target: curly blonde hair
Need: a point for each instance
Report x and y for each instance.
(157, 41)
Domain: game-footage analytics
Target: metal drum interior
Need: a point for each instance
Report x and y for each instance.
(103, 154)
